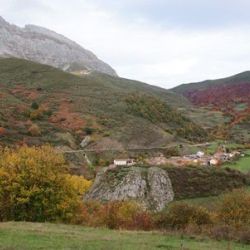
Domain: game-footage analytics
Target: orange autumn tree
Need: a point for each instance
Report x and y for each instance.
(35, 186)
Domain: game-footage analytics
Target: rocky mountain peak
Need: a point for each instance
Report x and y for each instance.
(2, 21)
(44, 46)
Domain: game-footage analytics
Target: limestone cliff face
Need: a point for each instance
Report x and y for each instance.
(149, 186)
(47, 47)
(155, 187)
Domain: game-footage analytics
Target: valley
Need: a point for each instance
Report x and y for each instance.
(91, 160)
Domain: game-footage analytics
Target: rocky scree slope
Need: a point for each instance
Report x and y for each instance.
(47, 47)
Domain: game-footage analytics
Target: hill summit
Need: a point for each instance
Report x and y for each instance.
(44, 46)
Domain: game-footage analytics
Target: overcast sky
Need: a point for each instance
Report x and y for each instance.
(161, 42)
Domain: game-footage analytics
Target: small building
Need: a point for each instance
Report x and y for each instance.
(200, 154)
(214, 162)
(124, 162)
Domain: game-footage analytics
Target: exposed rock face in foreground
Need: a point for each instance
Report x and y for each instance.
(150, 186)
(47, 47)
(155, 187)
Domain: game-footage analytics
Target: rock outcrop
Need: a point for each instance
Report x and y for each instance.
(47, 47)
(149, 186)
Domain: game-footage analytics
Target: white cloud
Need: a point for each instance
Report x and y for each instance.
(138, 48)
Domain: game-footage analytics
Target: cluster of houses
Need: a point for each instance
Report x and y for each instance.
(198, 159)
(201, 159)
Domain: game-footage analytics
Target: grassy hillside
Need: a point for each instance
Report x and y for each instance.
(231, 96)
(41, 104)
(33, 236)
(210, 202)
(191, 182)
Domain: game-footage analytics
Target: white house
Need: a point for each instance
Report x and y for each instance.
(200, 154)
(213, 162)
(124, 162)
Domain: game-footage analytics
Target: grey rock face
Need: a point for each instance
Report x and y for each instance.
(44, 46)
(150, 186)
(85, 141)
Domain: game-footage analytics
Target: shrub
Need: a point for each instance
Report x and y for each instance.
(222, 232)
(34, 130)
(172, 151)
(34, 105)
(2, 131)
(34, 186)
(125, 213)
(143, 220)
(91, 214)
(180, 215)
(88, 130)
(48, 112)
(116, 214)
(234, 209)
(36, 114)
(244, 236)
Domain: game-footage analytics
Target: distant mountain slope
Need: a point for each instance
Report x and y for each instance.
(39, 103)
(44, 46)
(230, 95)
(222, 93)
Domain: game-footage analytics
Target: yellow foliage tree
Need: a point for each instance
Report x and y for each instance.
(35, 186)
(80, 184)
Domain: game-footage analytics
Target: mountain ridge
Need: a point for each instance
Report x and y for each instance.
(45, 46)
(235, 88)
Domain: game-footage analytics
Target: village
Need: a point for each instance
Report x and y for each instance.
(200, 158)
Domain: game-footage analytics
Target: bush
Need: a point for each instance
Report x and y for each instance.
(34, 105)
(244, 236)
(226, 232)
(143, 221)
(88, 130)
(2, 131)
(34, 186)
(172, 151)
(115, 215)
(34, 130)
(180, 215)
(36, 114)
(48, 112)
(222, 232)
(234, 209)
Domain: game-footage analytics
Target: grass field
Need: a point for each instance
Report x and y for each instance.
(54, 236)
(242, 165)
(210, 202)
